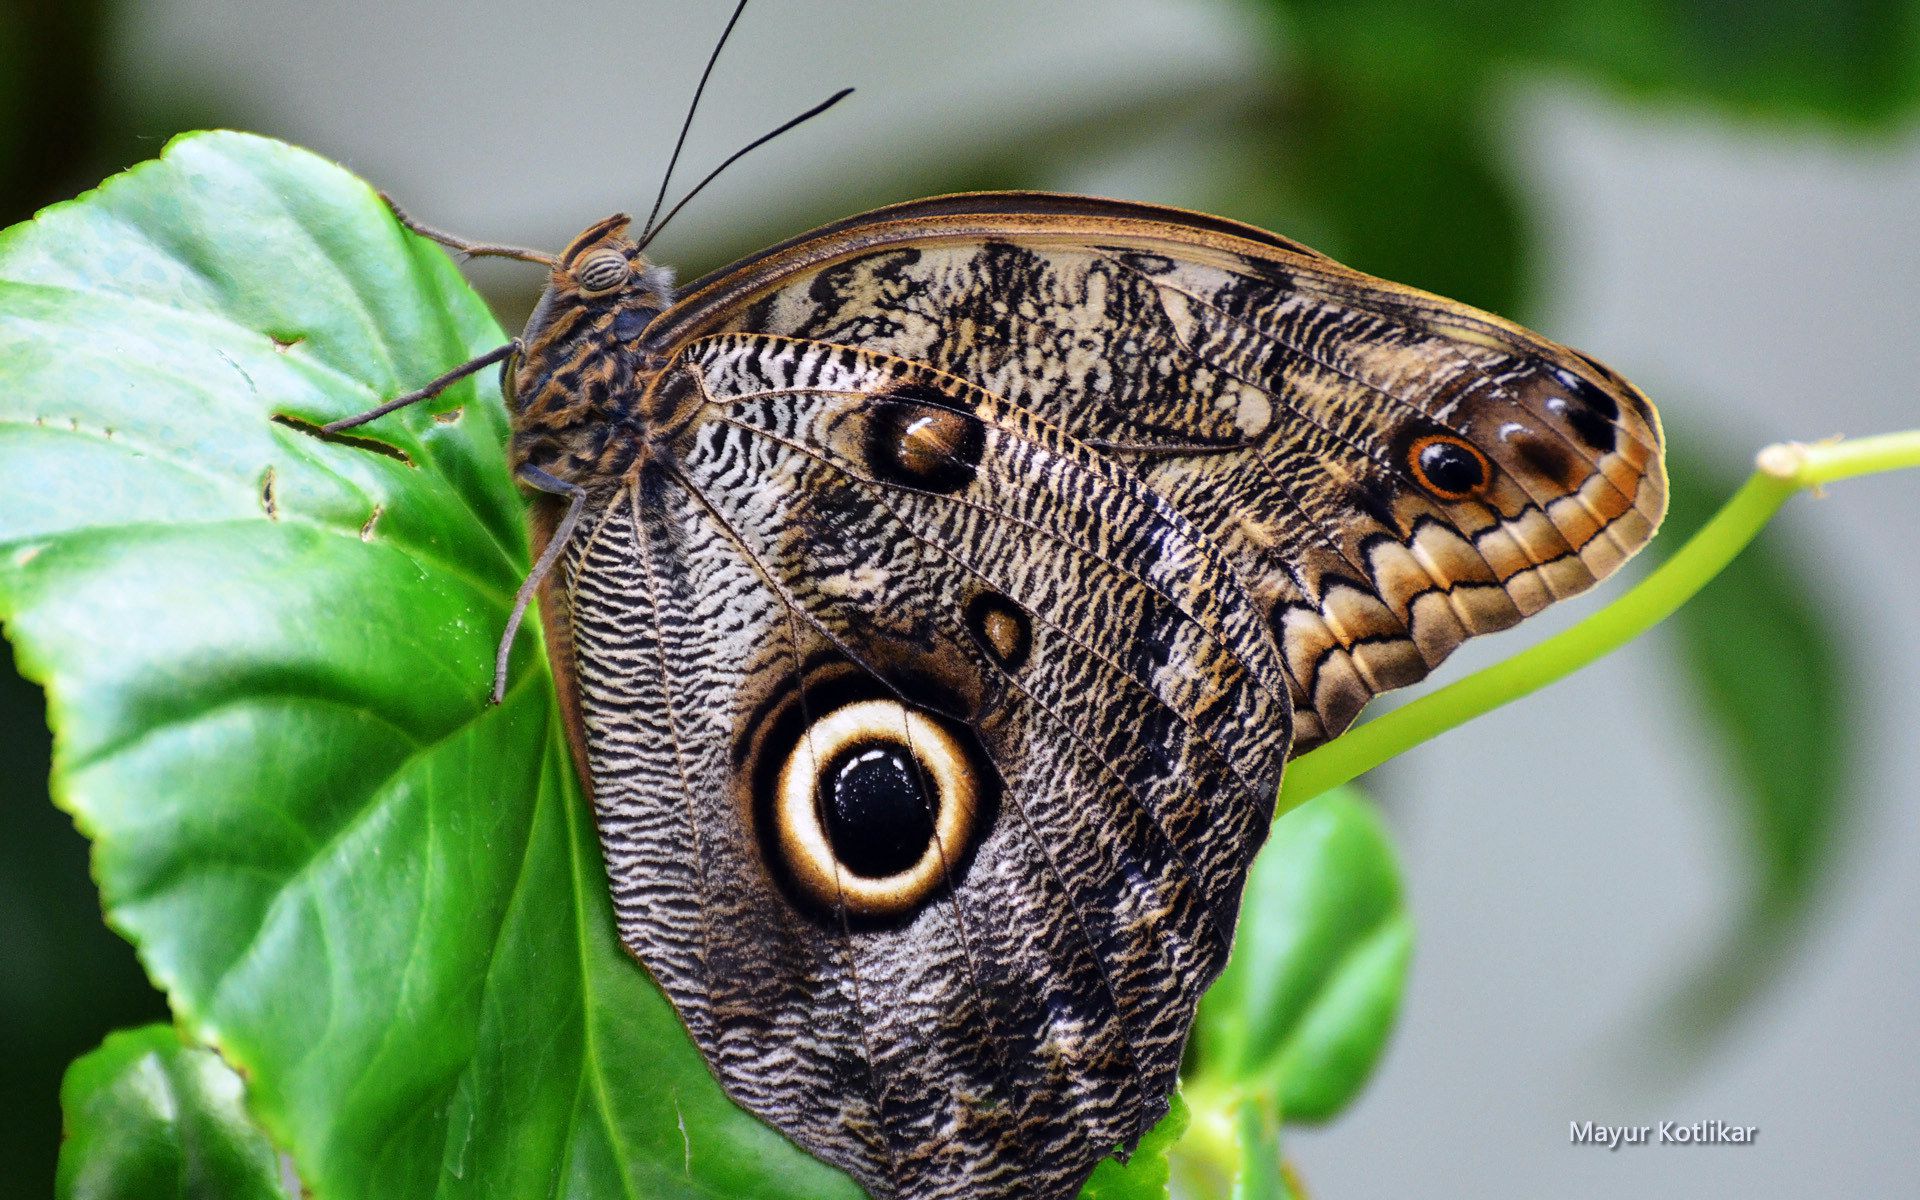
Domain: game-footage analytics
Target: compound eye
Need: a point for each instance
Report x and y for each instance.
(601, 271)
(873, 806)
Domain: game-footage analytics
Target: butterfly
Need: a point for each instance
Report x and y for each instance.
(939, 595)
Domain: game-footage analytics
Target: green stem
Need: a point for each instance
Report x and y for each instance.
(1780, 471)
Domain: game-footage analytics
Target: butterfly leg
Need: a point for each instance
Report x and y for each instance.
(576, 496)
(429, 390)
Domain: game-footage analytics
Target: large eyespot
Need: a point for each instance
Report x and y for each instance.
(1449, 467)
(873, 809)
(601, 271)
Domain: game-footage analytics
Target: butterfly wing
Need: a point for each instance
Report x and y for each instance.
(930, 750)
(1391, 471)
(937, 663)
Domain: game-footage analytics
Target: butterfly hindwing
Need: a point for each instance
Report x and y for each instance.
(858, 580)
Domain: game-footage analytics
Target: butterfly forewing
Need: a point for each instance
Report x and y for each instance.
(1280, 401)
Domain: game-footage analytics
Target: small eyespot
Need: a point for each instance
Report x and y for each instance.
(1596, 431)
(1449, 467)
(916, 437)
(1001, 628)
(1545, 458)
(601, 272)
(873, 806)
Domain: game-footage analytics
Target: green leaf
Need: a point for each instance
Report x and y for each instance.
(1853, 62)
(1233, 1147)
(1308, 999)
(1767, 669)
(150, 1117)
(267, 656)
(1295, 1024)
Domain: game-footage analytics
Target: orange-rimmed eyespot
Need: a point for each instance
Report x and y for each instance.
(1449, 467)
(873, 808)
(601, 271)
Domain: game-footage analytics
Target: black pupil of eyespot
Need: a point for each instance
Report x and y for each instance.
(1450, 467)
(877, 820)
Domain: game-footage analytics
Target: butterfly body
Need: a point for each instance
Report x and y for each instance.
(948, 589)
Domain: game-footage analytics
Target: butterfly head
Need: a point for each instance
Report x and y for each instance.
(600, 285)
(581, 367)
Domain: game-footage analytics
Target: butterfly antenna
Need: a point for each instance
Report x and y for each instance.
(692, 108)
(468, 248)
(741, 153)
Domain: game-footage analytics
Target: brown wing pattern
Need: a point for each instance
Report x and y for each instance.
(1391, 472)
(852, 556)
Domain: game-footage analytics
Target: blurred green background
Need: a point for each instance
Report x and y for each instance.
(1680, 886)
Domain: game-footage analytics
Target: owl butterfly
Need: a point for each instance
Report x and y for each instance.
(941, 593)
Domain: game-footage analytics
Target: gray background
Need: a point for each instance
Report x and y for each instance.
(1568, 857)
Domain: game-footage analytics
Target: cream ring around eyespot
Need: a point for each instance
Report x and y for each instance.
(800, 832)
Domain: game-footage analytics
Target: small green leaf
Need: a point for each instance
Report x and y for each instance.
(1308, 999)
(1144, 1176)
(150, 1117)
(1232, 1146)
(267, 658)
(1302, 1013)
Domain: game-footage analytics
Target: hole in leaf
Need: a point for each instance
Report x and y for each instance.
(342, 439)
(269, 504)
